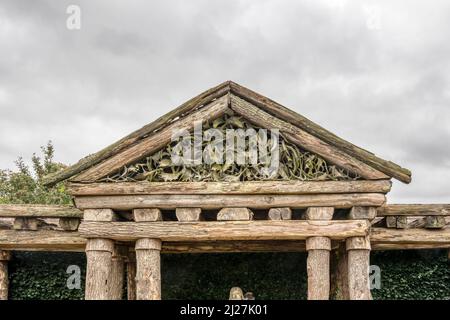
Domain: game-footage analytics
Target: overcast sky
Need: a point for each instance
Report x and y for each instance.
(376, 73)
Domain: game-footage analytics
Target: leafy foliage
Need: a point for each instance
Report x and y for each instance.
(25, 184)
(295, 164)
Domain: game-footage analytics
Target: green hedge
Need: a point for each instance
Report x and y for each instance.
(404, 275)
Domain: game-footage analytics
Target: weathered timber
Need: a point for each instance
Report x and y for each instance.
(69, 224)
(369, 213)
(234, 246)
(339, 273)
(41, 240)
(153, 142)
(118, 257)
(318, 267)
(99, 269)
(402, 222)
(304, 139)
(188, 214)
(231, 201)
(99, 215)
(414, 210)
(391, 222)
(87, 162)
(131, 275)
(319, 213)
(224, 230)
(25, 223)
(147, 214)
(41, 211)
(280, 214)
(245, 187)
(5, 256)
(234, 214)
(148, 269)
(381, 239)
(358, 251)
(409, 236)
(435, 222)
(300, 121)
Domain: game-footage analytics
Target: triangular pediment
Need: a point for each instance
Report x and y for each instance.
(231, 100)
(293, 162)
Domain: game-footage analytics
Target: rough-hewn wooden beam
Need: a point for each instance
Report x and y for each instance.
(414, 210)
(188, 214)
(410, 236)
(280, 214)
(194, 103)
(245, 187)
(235, 214)
(300, 121)
(41, 240)
(304, 139)
(41, 211)
(153, 142)
(223, 230)
(221, 201)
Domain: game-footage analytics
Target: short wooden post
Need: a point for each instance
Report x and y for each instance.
(4, 282)
(99, 269)
(318, 262)
(358, 250)
(318, 267)
(148, 259)
(118, 272)
(148, 269)
(131, 275)
(99, 259)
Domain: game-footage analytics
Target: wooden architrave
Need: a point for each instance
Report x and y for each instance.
(381, 239)
(224, 230)
(414, 210)
(314, 129)
(152, 143)
(38, 210)
(244, 187)
(197, 102)
(304, 140)
(169, 201)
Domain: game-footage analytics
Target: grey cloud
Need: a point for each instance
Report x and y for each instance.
(385, 89)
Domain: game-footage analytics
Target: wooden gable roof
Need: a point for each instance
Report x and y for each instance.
(254, 107)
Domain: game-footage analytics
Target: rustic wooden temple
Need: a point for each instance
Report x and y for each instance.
(131, 204)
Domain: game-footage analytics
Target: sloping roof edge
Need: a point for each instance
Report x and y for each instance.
(389, 168)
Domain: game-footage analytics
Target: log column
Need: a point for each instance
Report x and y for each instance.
(318, 266)
(99, 252)
(148, 259)
(318, 262)
(358, 251)
(148, 269)
(4, 282)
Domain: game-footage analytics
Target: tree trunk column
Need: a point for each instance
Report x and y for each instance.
(4, 281)
(99, 253)
(148, 269)
(318, 266)
(99, 269)
(358, 250)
